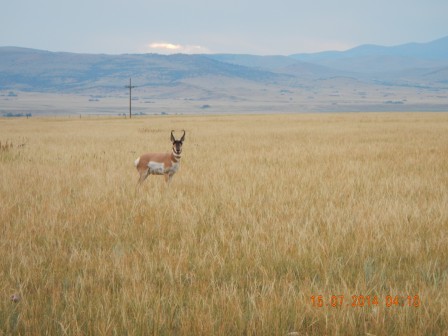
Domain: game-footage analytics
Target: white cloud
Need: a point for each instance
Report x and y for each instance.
(164, 46)
(171, 48)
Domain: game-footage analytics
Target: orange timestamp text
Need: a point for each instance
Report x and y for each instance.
(388, 301)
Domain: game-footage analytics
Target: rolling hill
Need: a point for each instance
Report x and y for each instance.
(37, 70)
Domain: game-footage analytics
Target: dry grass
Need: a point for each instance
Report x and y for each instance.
(265, 212)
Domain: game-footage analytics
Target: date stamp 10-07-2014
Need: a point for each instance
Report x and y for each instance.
(389, 301)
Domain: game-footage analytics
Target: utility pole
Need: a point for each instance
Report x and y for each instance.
(130, 87)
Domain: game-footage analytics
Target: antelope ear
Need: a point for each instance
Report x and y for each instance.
(172, 136)
(183, 137)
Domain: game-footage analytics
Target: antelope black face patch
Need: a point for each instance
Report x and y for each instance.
(177, 146)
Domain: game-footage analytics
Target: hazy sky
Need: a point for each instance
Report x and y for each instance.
(260, 27)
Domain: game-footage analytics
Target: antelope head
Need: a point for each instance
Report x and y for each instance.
(177, 144)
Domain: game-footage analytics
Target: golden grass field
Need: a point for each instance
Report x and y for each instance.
(266, 212)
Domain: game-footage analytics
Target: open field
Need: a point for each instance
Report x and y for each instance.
(265, 213)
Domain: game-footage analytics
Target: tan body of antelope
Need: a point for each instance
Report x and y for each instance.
(166, 164)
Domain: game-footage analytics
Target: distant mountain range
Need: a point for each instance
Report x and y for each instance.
(372, 59)
(220, 76)
(417, 59)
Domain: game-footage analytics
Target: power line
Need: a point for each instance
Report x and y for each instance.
(130, 87)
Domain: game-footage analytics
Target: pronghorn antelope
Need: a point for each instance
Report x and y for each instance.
(166, 164)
